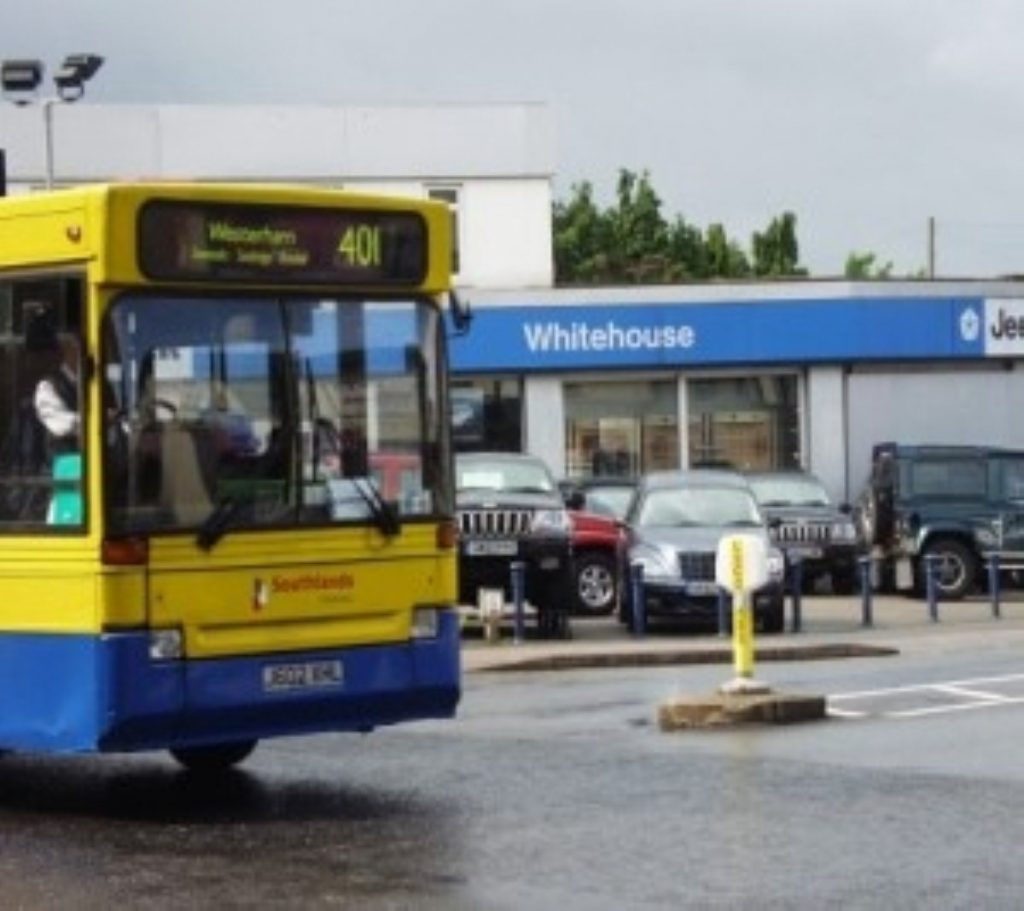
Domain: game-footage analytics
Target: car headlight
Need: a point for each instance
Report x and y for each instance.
(776, 565)
(844, 533)
(551, 521)
(986, 537)
(657, 563)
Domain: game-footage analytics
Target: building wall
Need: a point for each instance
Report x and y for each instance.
(506, 236)
(934, 403)
(499, 157)
(544, 421)
(825, 428)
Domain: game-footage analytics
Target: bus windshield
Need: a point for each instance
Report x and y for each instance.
(271, 411)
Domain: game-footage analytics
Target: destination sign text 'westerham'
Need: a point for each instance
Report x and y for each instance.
(194, 241)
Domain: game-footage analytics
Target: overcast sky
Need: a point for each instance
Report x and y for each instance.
(864, 117)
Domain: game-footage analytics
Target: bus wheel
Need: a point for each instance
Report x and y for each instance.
(216, 758)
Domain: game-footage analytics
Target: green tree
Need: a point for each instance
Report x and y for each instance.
(866, 265)
(726, 258)
(631, 241)
(582, 236)
(776, 250)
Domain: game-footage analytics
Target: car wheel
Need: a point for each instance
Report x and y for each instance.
(956, 568)
(595, 583)
(209, 760)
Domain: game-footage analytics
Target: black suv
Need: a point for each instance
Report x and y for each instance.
(509, 508)
(957, 503)
(805, 524)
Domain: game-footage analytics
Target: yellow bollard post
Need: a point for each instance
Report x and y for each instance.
(742, 616)
(742, 637)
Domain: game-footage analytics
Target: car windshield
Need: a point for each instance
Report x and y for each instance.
(698, 506)
(503, 474)
(608, 501)
(789, 490)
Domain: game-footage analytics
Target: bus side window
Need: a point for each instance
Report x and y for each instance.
(26, 307)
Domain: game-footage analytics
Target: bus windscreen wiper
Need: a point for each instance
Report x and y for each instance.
(220, 519)
(383, 512)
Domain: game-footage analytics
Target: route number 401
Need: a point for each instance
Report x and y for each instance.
(360, 245)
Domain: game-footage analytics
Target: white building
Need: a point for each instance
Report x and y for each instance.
(493, 163)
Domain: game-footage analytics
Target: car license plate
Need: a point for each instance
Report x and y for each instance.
(500, 548)
(302, 675)
(804, 553)
(701, 588)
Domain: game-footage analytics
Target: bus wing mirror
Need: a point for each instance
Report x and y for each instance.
(460, 311)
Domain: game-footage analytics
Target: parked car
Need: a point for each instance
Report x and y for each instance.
(675, 523)
(606, 496)
(509, 508)
(597, 546)
(958, 504)
(596, 509)
(806, 526)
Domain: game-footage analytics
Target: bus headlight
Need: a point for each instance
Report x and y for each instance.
(166, 645)
(425, 623)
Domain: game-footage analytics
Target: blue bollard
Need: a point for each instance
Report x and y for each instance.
(639, 618)
(864, 565)
(518, 570)
(993, 583)
(796, 583)
(724, 606)
(931, 589)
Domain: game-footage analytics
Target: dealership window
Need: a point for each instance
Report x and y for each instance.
(621, 429)
(450, 195)
(749, 422)
(487, 414)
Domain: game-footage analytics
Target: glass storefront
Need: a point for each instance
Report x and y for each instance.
(747, 422)
(621, 429)
(487, 414)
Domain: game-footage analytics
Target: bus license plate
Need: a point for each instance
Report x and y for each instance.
(304, 675)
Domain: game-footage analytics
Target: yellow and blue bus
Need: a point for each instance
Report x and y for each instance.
(226, 504)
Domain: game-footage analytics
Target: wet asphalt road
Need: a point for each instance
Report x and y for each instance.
(555, 790)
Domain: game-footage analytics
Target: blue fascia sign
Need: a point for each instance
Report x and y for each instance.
(534, 338)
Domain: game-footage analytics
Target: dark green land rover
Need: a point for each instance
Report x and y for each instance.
(958, 504)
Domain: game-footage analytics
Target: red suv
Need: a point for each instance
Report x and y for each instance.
(596, 507)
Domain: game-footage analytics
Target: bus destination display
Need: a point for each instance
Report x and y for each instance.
(241, 243)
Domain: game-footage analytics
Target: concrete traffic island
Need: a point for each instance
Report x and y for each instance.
(741, 566)
(740, 705)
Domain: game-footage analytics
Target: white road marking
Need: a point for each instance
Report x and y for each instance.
(974, 693)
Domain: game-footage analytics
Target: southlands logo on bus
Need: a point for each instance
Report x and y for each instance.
(309, 582)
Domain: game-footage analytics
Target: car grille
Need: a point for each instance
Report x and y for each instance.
(697, 566)
(496, 523)
(802, 533)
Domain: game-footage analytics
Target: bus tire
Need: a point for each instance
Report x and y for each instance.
(215, 758)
